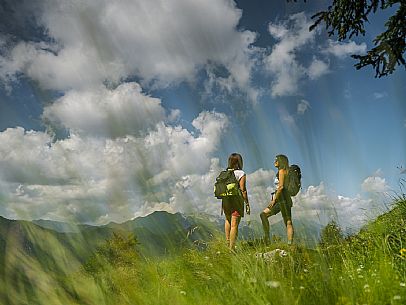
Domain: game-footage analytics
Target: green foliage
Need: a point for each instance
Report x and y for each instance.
(346, 18)
(115, 265)
(331, 235)
(118, 251)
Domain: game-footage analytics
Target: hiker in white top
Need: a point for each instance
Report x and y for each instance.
(233, 206)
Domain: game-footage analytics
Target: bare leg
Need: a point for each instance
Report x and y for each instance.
(235, 220)
(265, 223)
(227, 228)
(289, 231)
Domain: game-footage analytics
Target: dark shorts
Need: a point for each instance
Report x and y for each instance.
(233, 205)
(283, 206)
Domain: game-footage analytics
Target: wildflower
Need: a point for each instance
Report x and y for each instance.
(301, 288)
(403, 252)
(305, 270)
(397, 297)
(182, 292)
(218, 252)
(366, 286)
(402, 284)
(272, 284)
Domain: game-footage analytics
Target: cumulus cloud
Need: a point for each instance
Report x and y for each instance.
(109, 41)
(350, 212)
(343, 49)
(97, 179)
(374, 184)
(86, 178)
(99, 111)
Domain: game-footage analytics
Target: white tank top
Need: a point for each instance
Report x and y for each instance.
(239, 174)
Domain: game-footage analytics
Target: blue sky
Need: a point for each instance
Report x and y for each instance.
(109, 111)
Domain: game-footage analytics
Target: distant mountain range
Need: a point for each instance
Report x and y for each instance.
(158, 233)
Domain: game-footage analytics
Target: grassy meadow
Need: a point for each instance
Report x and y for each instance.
(366, 268)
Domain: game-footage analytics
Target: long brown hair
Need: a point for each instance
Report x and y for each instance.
(283, 161)
(235, 161)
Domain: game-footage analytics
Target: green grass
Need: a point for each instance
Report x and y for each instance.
(336, 275)
(367, 268)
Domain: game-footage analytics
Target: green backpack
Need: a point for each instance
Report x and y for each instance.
(226, 184)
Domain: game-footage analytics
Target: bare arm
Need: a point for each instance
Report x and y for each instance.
(244, 193)
(282, 175)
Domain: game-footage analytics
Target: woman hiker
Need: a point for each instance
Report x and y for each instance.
(233, 206)
(281, 200)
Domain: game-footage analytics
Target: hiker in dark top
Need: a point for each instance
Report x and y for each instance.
(233, 206)
(281, 200)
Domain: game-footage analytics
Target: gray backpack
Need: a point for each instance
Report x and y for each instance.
(294, 180)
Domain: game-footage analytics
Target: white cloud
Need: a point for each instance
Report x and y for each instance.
(159, 41)
(317, 68)
(86, 178)
(113, 113)
(374, 184)
(98, 180)
(343, 49)
(302, 107)
(286, 63)
(292, 35)
(351, 213)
